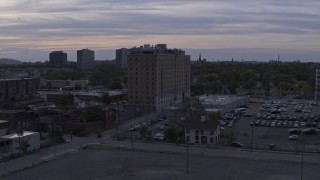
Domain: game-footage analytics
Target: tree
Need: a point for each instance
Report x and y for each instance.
(171, 134)
(93, 114)
(66, 101)
(105, 99)
(143, 132)
(214, 116)
(115, 85)
(19, 133)
(191, 108)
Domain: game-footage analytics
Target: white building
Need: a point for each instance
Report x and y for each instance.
(3, 127)
(222, 103)
(29, 141)
(202, 132)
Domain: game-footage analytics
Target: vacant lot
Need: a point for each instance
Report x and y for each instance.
(117, 165)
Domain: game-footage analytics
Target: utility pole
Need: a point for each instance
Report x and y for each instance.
(54, 141)
(187, 158)
(302, 154)
(117, 121)
(252, 136)
(131, 137)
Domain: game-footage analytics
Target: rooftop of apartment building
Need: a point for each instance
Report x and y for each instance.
(155, 49)
(87, 93)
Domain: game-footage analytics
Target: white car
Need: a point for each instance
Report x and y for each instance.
(293, 137)
(158, 137)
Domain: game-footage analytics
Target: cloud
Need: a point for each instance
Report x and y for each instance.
(45, 24)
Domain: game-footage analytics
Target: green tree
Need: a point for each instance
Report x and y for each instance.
(191, 108)
(105, 99)
(214, 116)
(66, 101)
(94, 113)
(171, 134)
(143, 132)
(115, 85)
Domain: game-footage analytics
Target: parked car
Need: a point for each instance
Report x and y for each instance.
(293, 137)
(158, 137)
(237, 144)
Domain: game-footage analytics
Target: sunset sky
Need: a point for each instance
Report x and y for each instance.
(220, 30)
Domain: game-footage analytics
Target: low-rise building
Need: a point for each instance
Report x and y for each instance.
(3, 127)
(13, 144)
(222, 103)
(202, 132)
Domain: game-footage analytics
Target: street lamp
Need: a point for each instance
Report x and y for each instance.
(252, 137)
(302, 163)
(187, 158)
(117, 124)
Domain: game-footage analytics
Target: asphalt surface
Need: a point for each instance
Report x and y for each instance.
(117, 165)
(46, 157)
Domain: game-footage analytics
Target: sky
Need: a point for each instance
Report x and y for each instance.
(219, 30)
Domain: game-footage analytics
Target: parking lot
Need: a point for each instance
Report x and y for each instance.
(268, 124)
(153, 129)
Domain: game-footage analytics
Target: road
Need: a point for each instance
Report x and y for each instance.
(106, 140)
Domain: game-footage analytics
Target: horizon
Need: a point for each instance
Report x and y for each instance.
(263, 29)
(211, 55)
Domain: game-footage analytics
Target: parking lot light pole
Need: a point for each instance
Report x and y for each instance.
(187, 158)
(117, 124)
(302, 154)
(252, 137)
(131, 137)
(297, 146)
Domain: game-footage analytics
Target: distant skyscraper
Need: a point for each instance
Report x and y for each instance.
(85, 59)
(157, 76)
(58, 58)
(122, 57)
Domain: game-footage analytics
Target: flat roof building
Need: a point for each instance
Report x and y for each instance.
(157, 76)
(15, 90)
(122, 57)
(85, 59)
(58, 58)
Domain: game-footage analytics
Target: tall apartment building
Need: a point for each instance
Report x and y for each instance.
(157, 76)
(15, 90)
(58, 58)
(317, 85)
(85, 59)
(122, 57)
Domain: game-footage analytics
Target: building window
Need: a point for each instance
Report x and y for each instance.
(197, 132)
(197, 138)
(201, 132)
(187, 138)
(212, 132)
(211, 140)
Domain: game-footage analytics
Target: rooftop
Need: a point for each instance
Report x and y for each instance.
(218, 99)
(3, 121)
(206, 125)
(14, 136)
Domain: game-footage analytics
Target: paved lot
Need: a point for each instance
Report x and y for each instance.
(110, 164)
(264, 136)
